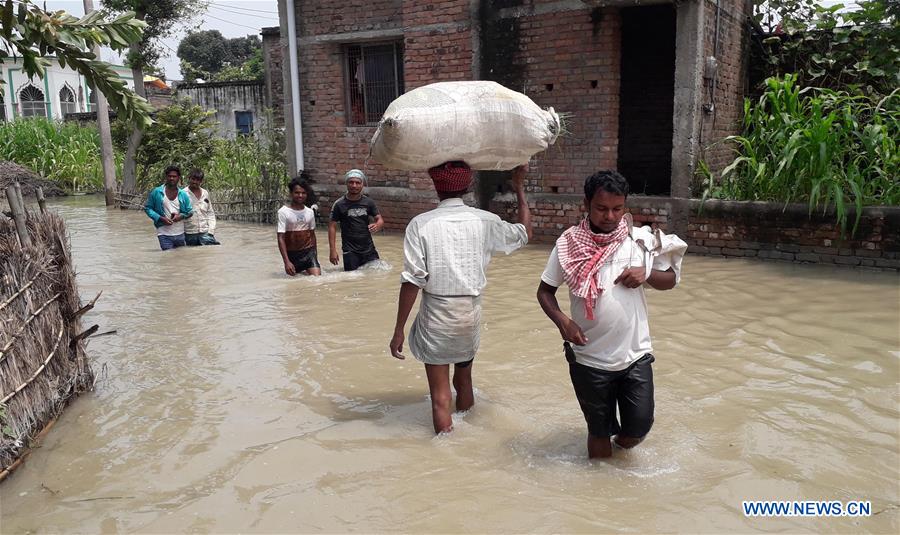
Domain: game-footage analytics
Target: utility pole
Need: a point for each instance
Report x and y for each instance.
(106, 148)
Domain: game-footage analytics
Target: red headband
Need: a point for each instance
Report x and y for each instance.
(449, 179)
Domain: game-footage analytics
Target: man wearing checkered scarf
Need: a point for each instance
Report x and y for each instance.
(606, 262)
(446, 252)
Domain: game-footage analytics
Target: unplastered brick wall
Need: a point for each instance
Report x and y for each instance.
(769, 231)
(727, 92)
(273, 64)
(564, 55)
(331, 145)
(551, 214)
(773, 231)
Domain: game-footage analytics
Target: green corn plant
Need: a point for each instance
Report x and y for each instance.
(66, 153)
(823, 147)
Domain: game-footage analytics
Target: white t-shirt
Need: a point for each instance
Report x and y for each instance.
(619, 334)
(298, 227)
(290, 220)
(171, 207)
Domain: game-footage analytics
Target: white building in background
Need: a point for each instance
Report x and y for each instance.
(60, 92)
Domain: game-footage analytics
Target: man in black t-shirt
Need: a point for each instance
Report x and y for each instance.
(353, 211)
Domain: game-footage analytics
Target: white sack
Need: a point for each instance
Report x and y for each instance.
(481, 123)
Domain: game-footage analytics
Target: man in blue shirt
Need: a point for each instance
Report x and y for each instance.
(168, 206)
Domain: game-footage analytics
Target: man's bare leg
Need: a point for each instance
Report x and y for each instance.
(439, 386)
(598, 447)
(462, 382)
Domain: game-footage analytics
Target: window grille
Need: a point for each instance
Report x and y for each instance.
(67, 102)
(374, 78)
(32, 103)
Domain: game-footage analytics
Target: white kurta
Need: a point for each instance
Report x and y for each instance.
(204, 219)
(446, 252)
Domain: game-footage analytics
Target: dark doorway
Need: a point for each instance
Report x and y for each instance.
(646, 98)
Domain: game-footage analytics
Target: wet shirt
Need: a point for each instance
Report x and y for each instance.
(354, 219)
(446, 250)
(171, 208)
(298, 227)
(619, 334)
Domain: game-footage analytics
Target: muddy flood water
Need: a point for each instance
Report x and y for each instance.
(236, 399)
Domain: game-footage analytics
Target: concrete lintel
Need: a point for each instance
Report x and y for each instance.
(381, 34)
(561, 6)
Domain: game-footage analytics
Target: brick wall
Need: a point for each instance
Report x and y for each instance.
(567, 58)
(742, 229)
(773, 231)
(564, 54)
(726, 93)
(273, 66)
(551, 214)
(331, 146)
(158, 98)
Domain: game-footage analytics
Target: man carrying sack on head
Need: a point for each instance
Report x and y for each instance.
(446, 252)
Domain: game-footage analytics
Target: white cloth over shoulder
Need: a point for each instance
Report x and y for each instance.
(481, 123)
(446, 250)
(661, 251)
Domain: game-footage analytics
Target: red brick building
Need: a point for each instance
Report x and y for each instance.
(647, 86)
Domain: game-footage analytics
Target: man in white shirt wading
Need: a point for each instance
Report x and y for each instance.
(201, 228)
(445, 252)
(605, 263)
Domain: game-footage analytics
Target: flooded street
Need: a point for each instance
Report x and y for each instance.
(236, 399)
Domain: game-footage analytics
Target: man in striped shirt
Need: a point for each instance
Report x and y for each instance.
(446, 252)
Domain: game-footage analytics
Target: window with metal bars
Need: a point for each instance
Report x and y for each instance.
(67, 102)
(374, 78)
(31, 102)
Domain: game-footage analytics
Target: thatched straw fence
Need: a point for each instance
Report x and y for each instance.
(42, 356)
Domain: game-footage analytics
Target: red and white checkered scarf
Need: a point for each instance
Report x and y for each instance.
(582, 253)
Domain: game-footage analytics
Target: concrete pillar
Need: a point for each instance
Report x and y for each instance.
(286, 81)
(689, 51)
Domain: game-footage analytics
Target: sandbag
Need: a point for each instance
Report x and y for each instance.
(481, 123)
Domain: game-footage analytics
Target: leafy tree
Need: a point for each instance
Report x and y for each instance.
(856, 50)
(182, 134)
(242, 49)
(202, 53)
(162, 18)
(33, 33)
(212, 57)
(252, 69)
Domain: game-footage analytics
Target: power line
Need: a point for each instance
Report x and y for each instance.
(234, 23)
(219, 4)
(243, 14)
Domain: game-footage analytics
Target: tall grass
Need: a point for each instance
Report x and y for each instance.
(236, 165)
(69, 154)
(823, 147)
(66, 153)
